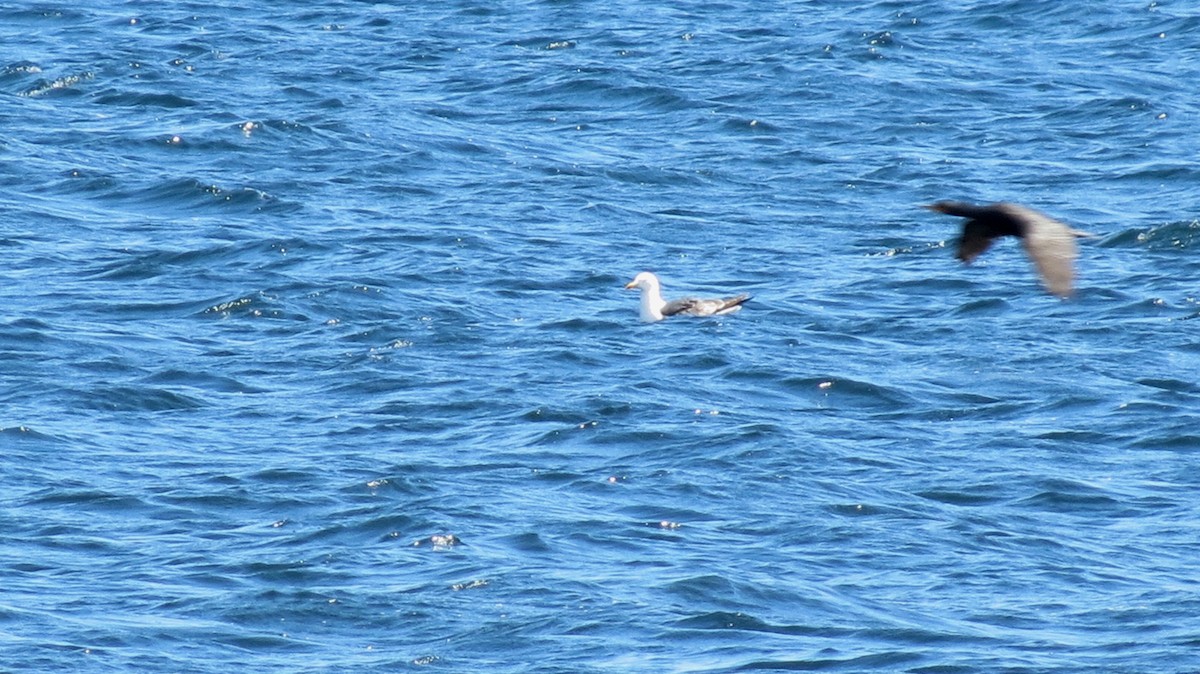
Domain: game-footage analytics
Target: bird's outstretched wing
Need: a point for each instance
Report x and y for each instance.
(976, 239)
(1051, 246)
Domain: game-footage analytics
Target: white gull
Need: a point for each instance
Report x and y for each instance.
(655, 308)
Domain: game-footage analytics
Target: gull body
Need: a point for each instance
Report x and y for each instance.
(655, 308)
(1049, 243)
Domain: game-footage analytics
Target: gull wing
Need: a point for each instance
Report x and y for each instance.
(693, 306)
(686, 305)
(730, 304)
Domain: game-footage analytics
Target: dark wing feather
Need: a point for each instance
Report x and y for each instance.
(976, 238)
(730, 303)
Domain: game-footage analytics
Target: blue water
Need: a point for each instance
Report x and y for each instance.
(314, 355)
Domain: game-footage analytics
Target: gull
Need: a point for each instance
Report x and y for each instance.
(655, 308)
(1049, 243)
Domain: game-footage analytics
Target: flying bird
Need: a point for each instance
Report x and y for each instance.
(655, 308)
(1049, 243)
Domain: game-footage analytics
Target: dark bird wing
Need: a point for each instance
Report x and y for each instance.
(976, 238)
(1050, 245)
(693, 306)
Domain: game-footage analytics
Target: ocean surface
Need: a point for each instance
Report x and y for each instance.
(315, 354)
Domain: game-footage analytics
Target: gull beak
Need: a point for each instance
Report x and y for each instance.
(631, 285)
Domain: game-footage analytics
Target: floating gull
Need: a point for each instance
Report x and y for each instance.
(1048, 242)
(655, 308)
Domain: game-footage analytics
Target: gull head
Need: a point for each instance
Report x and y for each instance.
(643, 281)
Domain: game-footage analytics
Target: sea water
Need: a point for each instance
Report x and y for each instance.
(315, 357)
